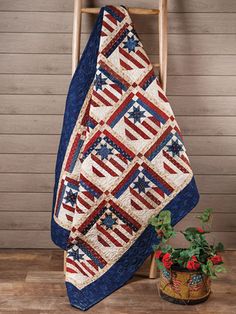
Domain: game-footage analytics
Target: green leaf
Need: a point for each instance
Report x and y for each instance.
(220, 268)
(159, 264)
(192, 230)
(206, 215)
(204, 268)
(153, 221)
(165, 217)
(211, 269)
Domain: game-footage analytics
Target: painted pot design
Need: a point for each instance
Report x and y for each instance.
(182, 286)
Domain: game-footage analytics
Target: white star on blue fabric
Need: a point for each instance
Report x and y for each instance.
(75, 254)
(136, 114)
(131, 44)
(141, 184)
(71, 197)
(175, 148)
(99, 81)
(108, 221)
(104, 151)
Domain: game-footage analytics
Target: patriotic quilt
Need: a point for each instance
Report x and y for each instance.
(121, 160)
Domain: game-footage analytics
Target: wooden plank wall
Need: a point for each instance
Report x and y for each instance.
(35, 65)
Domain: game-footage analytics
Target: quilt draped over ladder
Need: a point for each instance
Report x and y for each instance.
(121, 160)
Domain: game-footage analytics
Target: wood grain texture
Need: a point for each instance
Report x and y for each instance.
(35, 71)
(61, 64)
(29, 143)
(61, 22)
(29, 285)
(32, 104)
(211, 145)
(25, 221)
(67, 6)
(33, 202)
(25, 239)
(51, 43)
(203, 105)
(34, 84)
(25, 163)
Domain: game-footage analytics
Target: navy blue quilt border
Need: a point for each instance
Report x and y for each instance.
(129, 263)
(183, 203)
(78, 89)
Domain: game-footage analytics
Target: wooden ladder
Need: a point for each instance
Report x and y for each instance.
(162, 28)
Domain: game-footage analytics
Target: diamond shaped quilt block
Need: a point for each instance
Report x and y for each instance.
(138, 120)
(87, 196)
(82, 263)
(142, 190)
(109, 86)
(168, 155)
(106, 158)
(107, 227)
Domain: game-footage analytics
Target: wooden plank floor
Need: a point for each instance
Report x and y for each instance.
(31, 282)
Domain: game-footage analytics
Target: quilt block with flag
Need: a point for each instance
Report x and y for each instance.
(121, 160)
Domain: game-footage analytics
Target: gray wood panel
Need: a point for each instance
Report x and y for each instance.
(201, 65)
(29, 143)
(61, 22)
(26, 182)
(35, 64)
(34, 84)
(201, 85)
(32, 104)
(61, 43)
(207, 125)
(210, 145)
(213, 164)
(31, 124)
(216, 184)
(67, 6)
(61, 64)
(30, 202)
(203, 105)
(25, 239)
(25, 163)
(25, 220)
(35, 71)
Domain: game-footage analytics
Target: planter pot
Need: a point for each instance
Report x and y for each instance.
(181, 286)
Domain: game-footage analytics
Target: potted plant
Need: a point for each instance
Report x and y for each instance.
(185, 273)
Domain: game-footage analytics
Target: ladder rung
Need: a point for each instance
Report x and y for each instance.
(156, 65)
(131, 11)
